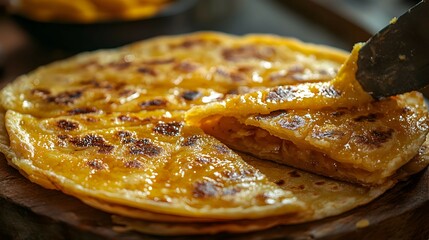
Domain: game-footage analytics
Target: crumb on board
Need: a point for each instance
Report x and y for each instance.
(402, 57)
(362, 223)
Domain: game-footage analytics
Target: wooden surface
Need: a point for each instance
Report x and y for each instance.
(29, 211)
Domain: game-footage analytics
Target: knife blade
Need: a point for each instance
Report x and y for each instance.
(396, 59)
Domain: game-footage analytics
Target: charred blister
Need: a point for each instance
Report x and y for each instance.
(168, 128)
(133, 164)
(98, 84)
(186, 67)
(298, 187)
(202, 160)
(284, 93)
(373, 139)
(294, 174)
(274, 114)
(67, 125)
(147, 71)
(190, 141)
(205, 189)
(121, 65)
(330, 92)
(371, 117)
(332, 134)
(96, 164)
(222, 149)
(127, 118)
(144, 147)
(159, 61)
(125, 137)
(280, 182)
(189, 43)
(41, 93)
(191, 95)
(91, 140)
(82, 110)
(292, 123)
(65, 98)
(153, 104)
(248, 52)
(62, 139)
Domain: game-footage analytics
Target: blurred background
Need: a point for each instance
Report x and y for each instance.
(36, 32)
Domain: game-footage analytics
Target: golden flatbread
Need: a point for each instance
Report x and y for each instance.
(109, 128)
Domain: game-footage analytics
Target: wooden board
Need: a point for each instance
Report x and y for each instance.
(28, 211)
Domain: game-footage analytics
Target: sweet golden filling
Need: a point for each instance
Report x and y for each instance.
(260, 143)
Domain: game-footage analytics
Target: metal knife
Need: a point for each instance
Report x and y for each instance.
(396, 59)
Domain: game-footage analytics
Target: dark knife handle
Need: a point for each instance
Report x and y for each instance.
(396, 59)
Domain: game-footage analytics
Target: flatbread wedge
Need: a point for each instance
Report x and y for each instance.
(322, 127)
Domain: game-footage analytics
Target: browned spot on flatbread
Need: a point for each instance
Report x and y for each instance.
(189, 43)
(95, 164)
(159, 61)
(186, 67)
(285, 93)
(222, 149)
(205, 189)
(330, 92)
(203, 159)
(133, 164)
(65, 98)
(190, 141)
(280, 182)
(373, 139)
(328, 134)
(121, 65)
(292, 123)
(294, 174)
(91, 140)
(272, 115)
(147, 71)
(82, 110)
(98, 84)
(372, 117)
(144, 147)
(125, 137)
(126, 118)
(247, 52)
(191, 95)
(42, 93)
(153, 104)
(168, 128)
(67, 125)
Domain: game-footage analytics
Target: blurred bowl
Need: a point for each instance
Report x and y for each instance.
(174, 19)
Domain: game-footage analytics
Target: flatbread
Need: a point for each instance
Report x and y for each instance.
(108, 128)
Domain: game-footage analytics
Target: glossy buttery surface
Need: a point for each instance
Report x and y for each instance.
(108, 127)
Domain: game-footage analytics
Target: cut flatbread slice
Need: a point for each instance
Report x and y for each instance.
(330, 128)
(342, 91)
(158, 165)
(365, 144)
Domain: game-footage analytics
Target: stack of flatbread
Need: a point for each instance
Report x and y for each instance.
(207, 133)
